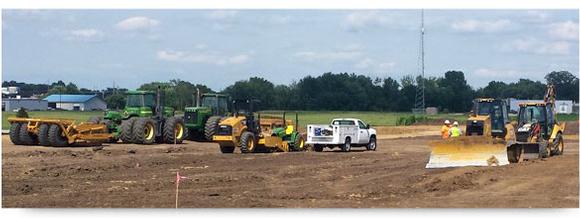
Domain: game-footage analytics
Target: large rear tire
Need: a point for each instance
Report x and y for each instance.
(27, 138)
(144, 131)
(174, 131)
(299, 143)
(558, 145)
(55, 136)
(15, 133)
(346, 146)
(211, 126)
(515, 153)
(43, 134)
(127, 130)
(247, 142)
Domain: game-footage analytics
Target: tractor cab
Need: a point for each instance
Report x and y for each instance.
(488, 112)
(535, 121)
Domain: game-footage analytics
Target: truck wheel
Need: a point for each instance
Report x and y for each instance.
(247, 142)
(515, 153)
(372, 145)
(211, 126)
(55, 136)
(346, 146)
(15, 133)
(127, 130)
(227, 148)
(558, 145)
(27, 138)
(318, 148)
(144, 131)
(95, 120)
(544, 149)
(43, 134)
(174, 131)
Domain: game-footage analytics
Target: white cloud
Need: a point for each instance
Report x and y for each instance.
(213, 58)
(137, 23)
(564, 30)
(481, 25)
(327, 56)
(497, 73)
(534, 46)
(371, 64)
(222, 14)
(362, 19)
(86, 35)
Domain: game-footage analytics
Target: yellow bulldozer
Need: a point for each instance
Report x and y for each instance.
(250, 134)
(492, 140)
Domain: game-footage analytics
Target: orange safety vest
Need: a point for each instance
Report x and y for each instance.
(445, 132)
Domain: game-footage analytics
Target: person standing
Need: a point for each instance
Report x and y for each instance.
(445, 129)
(455, 131)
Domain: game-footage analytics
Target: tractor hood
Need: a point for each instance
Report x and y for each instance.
(231, 121)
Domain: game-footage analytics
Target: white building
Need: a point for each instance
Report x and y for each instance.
(30, 104)
(562, 106)
(76, 102)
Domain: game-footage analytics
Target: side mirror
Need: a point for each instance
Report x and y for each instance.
(368, 126)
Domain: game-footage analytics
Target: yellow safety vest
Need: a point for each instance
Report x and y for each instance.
(455, 132)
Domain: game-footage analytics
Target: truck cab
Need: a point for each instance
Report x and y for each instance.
(343, 133)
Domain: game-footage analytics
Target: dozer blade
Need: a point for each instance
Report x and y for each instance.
(467, 151)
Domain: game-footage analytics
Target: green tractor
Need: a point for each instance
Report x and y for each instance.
(145, 120)
(202, 120)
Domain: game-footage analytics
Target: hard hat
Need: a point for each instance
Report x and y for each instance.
(447, 122)
(455, 123)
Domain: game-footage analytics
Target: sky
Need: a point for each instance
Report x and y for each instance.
(96, 49)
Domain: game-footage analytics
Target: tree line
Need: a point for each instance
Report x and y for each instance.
(340, 91)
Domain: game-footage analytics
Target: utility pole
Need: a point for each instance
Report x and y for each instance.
(420, 94)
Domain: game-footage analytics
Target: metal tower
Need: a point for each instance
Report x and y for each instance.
(420, 93)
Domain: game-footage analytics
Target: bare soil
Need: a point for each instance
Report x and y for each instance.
(128, 175)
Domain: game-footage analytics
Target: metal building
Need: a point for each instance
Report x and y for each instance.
(76, 102)
(562, 106)
(30, 104)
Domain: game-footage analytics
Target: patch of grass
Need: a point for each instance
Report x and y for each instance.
(79, 116)
(567, 117)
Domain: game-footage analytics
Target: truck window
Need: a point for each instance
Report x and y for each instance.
(343, 122)
(361, 125)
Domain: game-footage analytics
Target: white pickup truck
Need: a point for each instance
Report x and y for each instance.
(344, 133)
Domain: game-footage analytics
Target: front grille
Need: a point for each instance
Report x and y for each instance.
(190, 117)
(224, 130)
(474, 129)
(522, 136)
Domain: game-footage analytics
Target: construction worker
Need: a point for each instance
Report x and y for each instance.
(445, 129)
(455, 131)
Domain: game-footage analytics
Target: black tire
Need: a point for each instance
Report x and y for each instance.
(95, 120)
(372, 145)
(318, 148)
(127, 130)
(227, 148)
(172, 125)
(211, 126)
(298, 144)
(15, 133)
(558, 145)
(247, 142)
(346, 146)
(544, 150)
(144, 131)
(515, 153)
(27, 138)
(43, 134)
(55, 136)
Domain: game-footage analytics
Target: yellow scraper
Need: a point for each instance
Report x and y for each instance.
(467, 151)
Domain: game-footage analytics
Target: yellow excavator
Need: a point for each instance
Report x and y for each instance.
(492, 140)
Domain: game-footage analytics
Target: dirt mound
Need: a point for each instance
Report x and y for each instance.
(571, 128)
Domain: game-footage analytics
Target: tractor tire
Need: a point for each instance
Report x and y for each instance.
(372, 145)
(544, 149)
(27, 138)
(95, 120)
(43, 135)
(558, 145)
(247, 142)
(318, 148)
(211, 127)
(515, 153)
(55, 136)
(144, 131)
(127, 130)
(174, 131)
(346, 146)
(227, 148)
(298, 144)
(15, 133)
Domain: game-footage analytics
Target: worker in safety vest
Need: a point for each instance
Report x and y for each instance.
(445, 129)
(455, 131)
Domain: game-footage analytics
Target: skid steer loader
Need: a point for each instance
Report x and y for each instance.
(488, 130)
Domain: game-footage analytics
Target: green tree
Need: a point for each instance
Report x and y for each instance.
(116, 101)
(566, 84)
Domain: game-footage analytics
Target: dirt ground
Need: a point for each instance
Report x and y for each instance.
(127, 175)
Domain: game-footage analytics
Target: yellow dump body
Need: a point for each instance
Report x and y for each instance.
(467, 151)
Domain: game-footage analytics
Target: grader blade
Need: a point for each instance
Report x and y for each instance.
(467, 151)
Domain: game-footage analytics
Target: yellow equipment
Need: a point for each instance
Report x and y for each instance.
(55, 132)
(487, 132)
